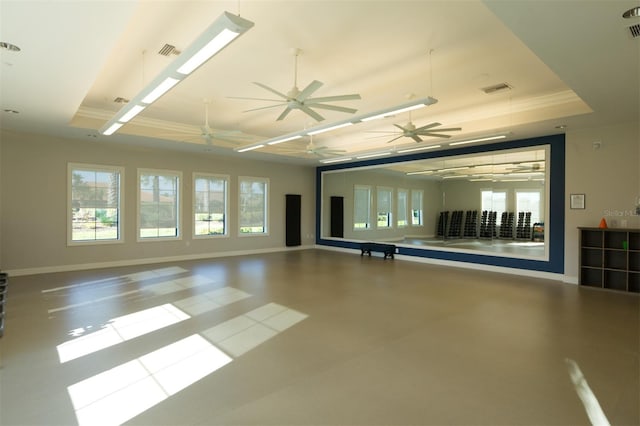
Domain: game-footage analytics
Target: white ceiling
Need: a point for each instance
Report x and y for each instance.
(568, 62)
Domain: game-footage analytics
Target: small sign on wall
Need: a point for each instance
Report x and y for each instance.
(577, 201)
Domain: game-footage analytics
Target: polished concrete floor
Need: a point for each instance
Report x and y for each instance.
(313, 337)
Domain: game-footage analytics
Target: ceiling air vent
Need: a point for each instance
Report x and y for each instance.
(496, 88)
(121, 100)
(168, 49)
(635, 30)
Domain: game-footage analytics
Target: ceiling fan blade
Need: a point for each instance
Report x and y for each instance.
(311, 113)
(274, 91)
(284, 114)
(437, 135)
(254, 99)
(384, 135)
(307, 91)
(265, 107)
(397, 137)
(416, 138)
(428, 126)
(332, 99)
(450, 129)
(335, 108)
(400, 127)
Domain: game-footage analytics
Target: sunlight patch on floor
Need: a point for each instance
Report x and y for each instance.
(121, 329)
(119, 394)
(243, 333)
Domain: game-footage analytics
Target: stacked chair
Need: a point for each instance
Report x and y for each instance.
(442, 223)
(455, 228)
(523, 229)
(471, 224)
(506, 225)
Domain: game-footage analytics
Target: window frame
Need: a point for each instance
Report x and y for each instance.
(390, 215)
(421, 215)
(227, 180)
(368, 224)
(178, 204)
(266, 212)
(498, 212)
(405, 214)
(540, 203)
(95, 168)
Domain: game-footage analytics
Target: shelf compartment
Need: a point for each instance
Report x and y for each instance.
(591, 239)
(615, 280)
(634, 240)
(634, 282)
(591, 277)
(615, 259)
(634, 261)
(615, 239)
(592, 257)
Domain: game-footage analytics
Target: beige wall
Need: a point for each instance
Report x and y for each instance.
(34, 202)
(33, 187)
(609, 177)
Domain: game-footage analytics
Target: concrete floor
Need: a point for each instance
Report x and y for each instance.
(313, 337)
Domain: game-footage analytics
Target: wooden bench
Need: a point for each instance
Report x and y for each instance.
(387, 249)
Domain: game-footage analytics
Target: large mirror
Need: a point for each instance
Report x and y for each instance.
(491, 202)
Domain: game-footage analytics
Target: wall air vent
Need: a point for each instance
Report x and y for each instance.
(121, 100)
(168, 49)
(635, 30)
(496, 88)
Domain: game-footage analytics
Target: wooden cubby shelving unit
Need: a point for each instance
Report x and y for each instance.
(610, 258)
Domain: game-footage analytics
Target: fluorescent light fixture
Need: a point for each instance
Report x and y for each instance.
(337, 126)
(423, 148)
(450, 169)
(375, 154)
(250, 148)
(422, 172)
(111, 129)
(284, 139)
(160, 90)
(216, 37)
(213, 47)
(479, 180)
(420, 103)
(455, 177)
(488, 138)
(336, 160)
(132, 113)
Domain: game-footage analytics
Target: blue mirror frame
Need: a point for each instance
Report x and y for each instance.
(555, 262)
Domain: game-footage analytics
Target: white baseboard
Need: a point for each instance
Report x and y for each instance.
(466, 265)
(146, 261)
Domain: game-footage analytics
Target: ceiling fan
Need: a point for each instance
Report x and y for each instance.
(318, 151)
(208, 134)
(409, 130)
(301, 99)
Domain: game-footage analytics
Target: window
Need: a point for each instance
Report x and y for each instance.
(529, 201)
(385, 205)
(362, 207)
(416, 207)
(94, 203)
(158, 204)
(402, 208)
(209, 204)
(495, 201)
(253, 207)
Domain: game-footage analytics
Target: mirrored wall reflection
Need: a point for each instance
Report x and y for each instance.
(493, 203)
